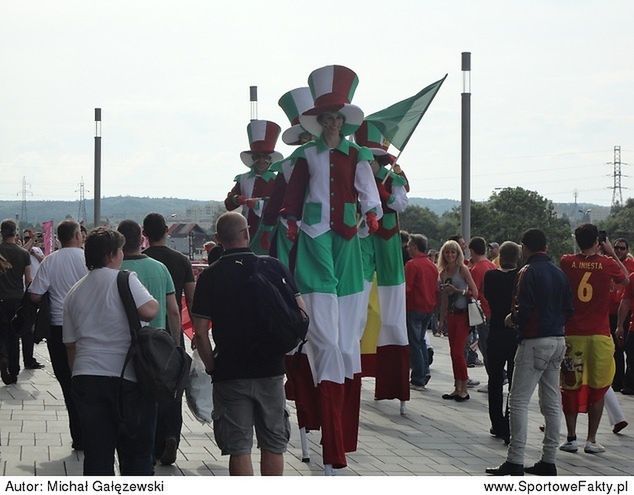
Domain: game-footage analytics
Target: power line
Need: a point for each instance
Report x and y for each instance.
(617, 189)
(26, 190)
(81, 213)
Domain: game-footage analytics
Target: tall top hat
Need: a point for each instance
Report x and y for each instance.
(294, 103)
(332, 88)
(370, 136)
(263, 135)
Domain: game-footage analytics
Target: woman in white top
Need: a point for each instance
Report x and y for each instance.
(114, 413)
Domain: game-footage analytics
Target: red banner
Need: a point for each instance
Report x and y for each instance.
(47, 233)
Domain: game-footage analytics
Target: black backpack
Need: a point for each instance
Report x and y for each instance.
(161, 367)
(282, 324)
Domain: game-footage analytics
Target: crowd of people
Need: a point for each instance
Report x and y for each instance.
(328, 217)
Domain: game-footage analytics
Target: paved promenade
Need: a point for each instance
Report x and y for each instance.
(434, 438)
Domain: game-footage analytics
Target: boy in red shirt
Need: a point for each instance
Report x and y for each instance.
(421, 286)
(479, 264)
(588, 367)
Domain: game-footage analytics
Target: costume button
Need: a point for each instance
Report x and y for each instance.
(332, 223)
(332, 209)
(332, 164)
(332, 179)
(332, 193)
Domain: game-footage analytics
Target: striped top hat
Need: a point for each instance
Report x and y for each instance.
(332, 88)
(294, 103)
(370, 136)
(263, 135)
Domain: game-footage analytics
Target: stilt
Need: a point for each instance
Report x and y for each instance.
(329, 470)
(403, 410)
(304, 441)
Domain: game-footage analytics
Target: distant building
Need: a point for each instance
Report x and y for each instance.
(187, 238)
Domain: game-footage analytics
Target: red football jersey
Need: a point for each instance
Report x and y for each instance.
(590, 279)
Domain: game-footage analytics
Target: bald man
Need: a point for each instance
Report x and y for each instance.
(248, 384)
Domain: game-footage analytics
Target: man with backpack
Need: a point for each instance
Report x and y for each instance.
(246, 368)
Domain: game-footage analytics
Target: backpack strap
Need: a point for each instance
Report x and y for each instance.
(123, 285)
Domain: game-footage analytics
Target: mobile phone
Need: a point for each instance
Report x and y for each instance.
(603, 236)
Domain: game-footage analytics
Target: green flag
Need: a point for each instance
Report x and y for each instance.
(398, 121)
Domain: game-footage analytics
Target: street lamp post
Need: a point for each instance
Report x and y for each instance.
(97, 201)
(465, 200)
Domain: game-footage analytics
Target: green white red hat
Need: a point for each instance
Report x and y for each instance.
(263, 136)
(294, 103)
(370, 136)
(332, 88)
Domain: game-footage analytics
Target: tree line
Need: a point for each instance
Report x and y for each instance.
(507, 214)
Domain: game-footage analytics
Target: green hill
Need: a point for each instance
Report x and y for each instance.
(117, 208)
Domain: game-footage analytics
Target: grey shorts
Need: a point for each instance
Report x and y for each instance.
(240, 405)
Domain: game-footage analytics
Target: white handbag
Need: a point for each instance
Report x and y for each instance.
(476, 315)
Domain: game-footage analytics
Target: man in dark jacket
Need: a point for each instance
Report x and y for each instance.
(542, 304)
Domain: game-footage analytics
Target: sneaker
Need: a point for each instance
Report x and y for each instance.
(506, 469)
(619, 426)
(569, 446)
(169, 453)
(420, 388)
(7, 378)
(34, 365)
(472, 383)
(542, 468)
(484, 388)
(593, 448)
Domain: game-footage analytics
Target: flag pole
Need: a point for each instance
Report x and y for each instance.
(391, 167)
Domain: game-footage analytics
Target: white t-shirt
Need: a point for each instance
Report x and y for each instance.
(35, 261)
(58, 272)
(95, 320)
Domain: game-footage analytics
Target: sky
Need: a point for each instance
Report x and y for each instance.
(552, 90)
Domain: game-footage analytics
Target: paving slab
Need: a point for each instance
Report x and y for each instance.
(434, 438)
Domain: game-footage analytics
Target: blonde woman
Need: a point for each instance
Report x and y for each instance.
(457, 286)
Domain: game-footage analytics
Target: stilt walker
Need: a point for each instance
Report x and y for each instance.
(273, 237)
(382, 255)
(253, 188)
(273, 227)
(330, 177)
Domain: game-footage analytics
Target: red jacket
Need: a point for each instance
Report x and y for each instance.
(421, 284)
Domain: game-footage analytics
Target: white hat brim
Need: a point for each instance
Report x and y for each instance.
(247, 157)
(352, 113)
(291, 135)
(378, 151)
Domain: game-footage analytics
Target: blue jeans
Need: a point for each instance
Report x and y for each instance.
(115, 416)
(417, 323)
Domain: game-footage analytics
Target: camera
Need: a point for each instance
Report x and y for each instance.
(603, 236)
